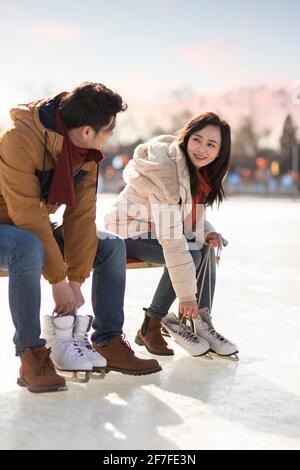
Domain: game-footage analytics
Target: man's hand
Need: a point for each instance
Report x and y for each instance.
(189, 309)
(64, 298)
(76, 288)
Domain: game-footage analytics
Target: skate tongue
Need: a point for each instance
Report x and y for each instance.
(170, 316)
(64, 325)
(171, 321)
(83, 324)
(204, 315)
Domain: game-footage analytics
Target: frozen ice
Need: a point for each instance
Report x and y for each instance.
(194, 403)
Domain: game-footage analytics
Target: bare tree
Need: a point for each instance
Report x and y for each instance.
(245, 144)
(288, 142)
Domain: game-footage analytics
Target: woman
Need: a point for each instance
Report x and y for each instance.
(161, 215)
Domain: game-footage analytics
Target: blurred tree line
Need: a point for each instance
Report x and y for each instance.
(248, 144)
(250, 154)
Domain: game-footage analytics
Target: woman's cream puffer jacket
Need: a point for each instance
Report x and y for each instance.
(157, 190)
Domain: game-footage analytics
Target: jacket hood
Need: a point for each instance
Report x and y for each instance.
(162, 165)
(38, 116)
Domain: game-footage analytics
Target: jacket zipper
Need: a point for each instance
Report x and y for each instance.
(54, 144)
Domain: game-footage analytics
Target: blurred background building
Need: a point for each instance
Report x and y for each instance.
(169, 60)
(256, 168)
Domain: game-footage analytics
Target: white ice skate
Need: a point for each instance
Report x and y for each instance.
(182, 335)
(203, 327)
(66, 353)
(82, 327)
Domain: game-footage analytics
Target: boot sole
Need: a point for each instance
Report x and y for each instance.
(133, 372)
(74, 370)
(55, 388)
(140, 342)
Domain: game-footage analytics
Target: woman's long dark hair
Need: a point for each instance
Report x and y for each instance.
(217, 169)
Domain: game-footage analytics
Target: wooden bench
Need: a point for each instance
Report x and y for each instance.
(138, 264)
(132, 263)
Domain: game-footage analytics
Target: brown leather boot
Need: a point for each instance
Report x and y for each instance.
(120, 358)
(37, 372)
(149, 335)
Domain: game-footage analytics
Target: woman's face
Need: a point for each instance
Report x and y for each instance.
(204, 146)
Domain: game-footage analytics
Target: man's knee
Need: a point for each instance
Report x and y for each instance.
(29, 246)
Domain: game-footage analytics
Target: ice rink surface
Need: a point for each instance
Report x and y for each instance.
(194, 403)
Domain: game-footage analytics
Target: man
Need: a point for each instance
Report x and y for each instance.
(49, 157)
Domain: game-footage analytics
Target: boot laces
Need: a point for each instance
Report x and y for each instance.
(44, 360)
(125, 343)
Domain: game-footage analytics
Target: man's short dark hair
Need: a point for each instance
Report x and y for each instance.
(90, 104)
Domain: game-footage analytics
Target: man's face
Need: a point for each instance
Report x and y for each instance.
(85, 137)
(97, 140)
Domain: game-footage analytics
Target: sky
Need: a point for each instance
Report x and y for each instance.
(146, 49)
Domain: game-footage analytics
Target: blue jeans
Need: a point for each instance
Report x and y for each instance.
(146, 249)
(22, 255)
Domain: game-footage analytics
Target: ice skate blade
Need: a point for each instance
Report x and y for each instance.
(97, 374)
(208, 356)
(77, 376)
(232, 357)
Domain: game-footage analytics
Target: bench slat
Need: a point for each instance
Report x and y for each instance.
(138, 264)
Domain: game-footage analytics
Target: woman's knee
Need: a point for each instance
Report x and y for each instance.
(111, 246)
(197, 256)
(213, 261)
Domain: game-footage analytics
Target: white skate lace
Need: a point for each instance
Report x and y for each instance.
(213, 332)
(210, 329)
(206, 264)
(72, 346)
(217, 335)
(86, 343)
(187, 334)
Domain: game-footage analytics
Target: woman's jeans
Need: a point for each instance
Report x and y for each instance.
(146, 249)
(22, 255)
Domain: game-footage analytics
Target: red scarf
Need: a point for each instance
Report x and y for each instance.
(200, 196)
(62, 186)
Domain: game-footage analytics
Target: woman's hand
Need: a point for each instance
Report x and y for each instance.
(212, 239)
(189, 309)
(64, 298)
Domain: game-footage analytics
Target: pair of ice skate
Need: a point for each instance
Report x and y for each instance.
(198, 336)
(71, 350)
